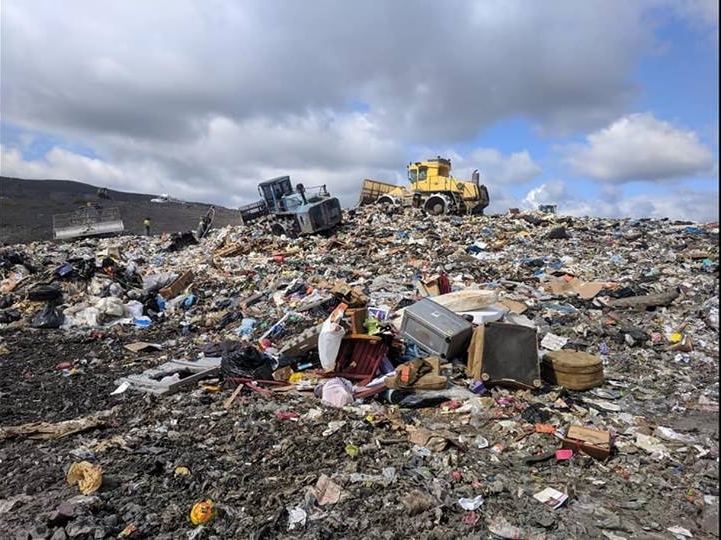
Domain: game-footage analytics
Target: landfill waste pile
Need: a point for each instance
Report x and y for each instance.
(526, 376)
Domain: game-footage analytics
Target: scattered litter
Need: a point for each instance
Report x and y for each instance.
(405, 358)
(87, 476)
(551, 497)
(471, 504)
(326, 491)
(296, 518)
(203, 512)
(680, 532)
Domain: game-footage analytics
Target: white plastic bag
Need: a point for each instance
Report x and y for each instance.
(331, 335)
(110, 307)
(133, 308)
(329, 340)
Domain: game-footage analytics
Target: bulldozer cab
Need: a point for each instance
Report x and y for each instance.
(425, 170)
(274, 191)
(434, 175)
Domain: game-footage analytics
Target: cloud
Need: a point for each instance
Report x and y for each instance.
(57, 163)
(146, 76)
(547, 193)
(640, 147)
(613, 202)
(225, 163)
(202, 100)
(702, 13)
(497, 169)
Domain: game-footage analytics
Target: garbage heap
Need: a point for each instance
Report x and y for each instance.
(525, 376)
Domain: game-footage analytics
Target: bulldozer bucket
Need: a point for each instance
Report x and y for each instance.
(87, 222)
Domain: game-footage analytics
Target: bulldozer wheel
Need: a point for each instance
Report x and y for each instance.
(383, 199)
(435, 205)
(286, 229)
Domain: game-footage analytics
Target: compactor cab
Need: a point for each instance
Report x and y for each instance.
(294, 211)
(277, 194)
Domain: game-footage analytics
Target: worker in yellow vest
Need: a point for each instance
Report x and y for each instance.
(147, 226)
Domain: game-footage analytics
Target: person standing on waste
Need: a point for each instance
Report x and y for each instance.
(146, 222)
(205, 222)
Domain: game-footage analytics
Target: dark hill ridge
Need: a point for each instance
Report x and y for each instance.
(27, 208)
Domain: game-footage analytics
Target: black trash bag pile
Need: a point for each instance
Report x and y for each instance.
(8, 259)
(245, 361)
(9, 315)
(49, 317)
(45, 293)
(181, 240)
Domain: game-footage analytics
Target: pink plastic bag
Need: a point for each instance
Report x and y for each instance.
(337, 392)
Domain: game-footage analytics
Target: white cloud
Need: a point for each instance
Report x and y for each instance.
(57, 163)
(202, 100)
(226, 162)
(612, 202)
(497, 169)
(157, 70)
(640, 147)
(547, 193)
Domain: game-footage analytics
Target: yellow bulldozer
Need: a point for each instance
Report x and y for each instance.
(432, 188)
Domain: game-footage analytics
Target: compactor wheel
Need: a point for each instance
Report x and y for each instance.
(436, 205)
(386, 199)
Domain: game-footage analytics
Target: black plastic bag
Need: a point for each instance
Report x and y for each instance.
(49, 317)
(181, 240)
(246, 362)
(419, 401)
(9, 315)
(45, 293)
(7, 300)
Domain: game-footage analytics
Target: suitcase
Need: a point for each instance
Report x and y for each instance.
(436, 329)
(510, 356)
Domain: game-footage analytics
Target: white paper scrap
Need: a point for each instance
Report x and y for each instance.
(552, 342)
(551, 497)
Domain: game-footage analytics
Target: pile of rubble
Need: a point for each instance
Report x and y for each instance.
(519, 376)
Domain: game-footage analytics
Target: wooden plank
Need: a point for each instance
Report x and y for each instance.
(228, 402)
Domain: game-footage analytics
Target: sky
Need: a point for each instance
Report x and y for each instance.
(605, 108)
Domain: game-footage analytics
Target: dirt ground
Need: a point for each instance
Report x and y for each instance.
(255, 465)
(27, 208)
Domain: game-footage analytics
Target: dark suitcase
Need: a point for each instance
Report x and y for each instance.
(436, 329)
(510, 356)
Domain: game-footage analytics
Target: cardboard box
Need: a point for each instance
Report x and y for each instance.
(430, 381)
(594, 442)
(178, 286)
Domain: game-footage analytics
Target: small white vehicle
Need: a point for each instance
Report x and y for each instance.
(162, 199)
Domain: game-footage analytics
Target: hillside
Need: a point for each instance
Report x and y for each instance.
(27, 207)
